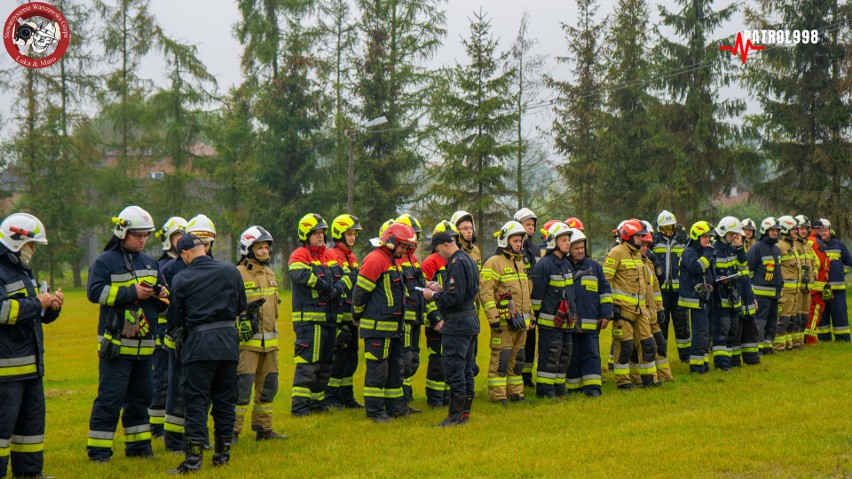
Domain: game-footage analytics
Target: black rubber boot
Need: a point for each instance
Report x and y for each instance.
(194, 450)
(468, 402)
(222, 451)
(456, 410)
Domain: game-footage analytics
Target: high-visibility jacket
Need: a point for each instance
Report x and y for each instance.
(473, 251)
(654, 294)
(378, 300)
(808, 260)
(841, 263)
(349, 266)
(259, 282)
(764, 259)
(552, 281)
(434, 269)
(748, 243)
(791, 269)
(729, 260)
(821, 261)
(624, 268)
(667, 262)
(21, 335)
(505, 272)
(696, 266)
(312, 277)
(415, 304)
(112, 284)
(592, 293)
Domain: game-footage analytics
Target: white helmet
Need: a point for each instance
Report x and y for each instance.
(460, 215)
(803, 221)
(254, 234)
(556, 230)
(825, 223)
(577, 236)
(132, 218)
(666, 218)
(202, 227)
(648, 226)
(728, 224)
(524, 214)
(511, 228)
(19, 229)
(787, 223)
(173, 225)
(748, 224)
(768, 224)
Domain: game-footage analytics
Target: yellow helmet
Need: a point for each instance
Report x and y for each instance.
(409, 220)
(699, 229)
(310, 223)
(342, 224)
(385, 226)
(445, 226)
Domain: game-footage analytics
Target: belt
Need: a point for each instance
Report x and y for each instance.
(208, 326)
(460, 314)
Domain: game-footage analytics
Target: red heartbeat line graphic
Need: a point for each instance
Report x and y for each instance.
(738, 47)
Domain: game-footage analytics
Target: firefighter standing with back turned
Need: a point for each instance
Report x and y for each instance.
(258, 368)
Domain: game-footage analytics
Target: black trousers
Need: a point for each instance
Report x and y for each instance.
(211, 383)
(22, 426)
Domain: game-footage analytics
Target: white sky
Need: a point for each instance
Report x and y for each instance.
(209, 25)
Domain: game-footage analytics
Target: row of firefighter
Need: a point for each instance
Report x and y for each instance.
(732, 291)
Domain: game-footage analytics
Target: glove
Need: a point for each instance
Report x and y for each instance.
(108, 350)
(341, 290)
(517, 323)
(344, 336)
(503, 312)
(494, 325)
(144, 325)
(130, 329)
(244, 327)
(661, 317)
(827, 293)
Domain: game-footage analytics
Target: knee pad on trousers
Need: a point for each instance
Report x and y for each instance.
(270, 387)
(379, 373)
(661, 343)
(415, 363)
(649, 350)
(245, 383)
(408, 363)
(624, 352)
(503, 363)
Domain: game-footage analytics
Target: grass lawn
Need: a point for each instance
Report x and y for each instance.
(788, 417)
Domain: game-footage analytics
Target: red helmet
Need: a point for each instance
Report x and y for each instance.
(399, 233)
(575, 223)
(546, 228)
(630, 228)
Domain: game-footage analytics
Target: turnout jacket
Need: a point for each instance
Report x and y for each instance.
(378, 300)
(349, 267)
(696, 266)
(259, 282)
(312, 272)
(503, 272)
(841, 263)
(667, 252)
(821, 263)
(624, 268)
(729, 260)
(112, 284)
(763, 260)
(593, 294)
(808, 260)
(791, 269)
(552, 281)
(21, 317)
(457, 301)
(206, 299)
(434, 269)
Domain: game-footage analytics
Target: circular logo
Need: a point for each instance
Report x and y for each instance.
(36, 35)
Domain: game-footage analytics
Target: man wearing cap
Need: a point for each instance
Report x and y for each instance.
(460, 324)
(206, 299)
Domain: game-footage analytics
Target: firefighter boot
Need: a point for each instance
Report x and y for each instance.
(456, 409)
(266, 434)
(468, 402)
(221, 451)
(194, 450)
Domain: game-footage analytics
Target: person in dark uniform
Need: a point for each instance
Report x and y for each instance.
(460, 325)
(207, 297)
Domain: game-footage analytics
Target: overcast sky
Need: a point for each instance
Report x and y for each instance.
(209, 25)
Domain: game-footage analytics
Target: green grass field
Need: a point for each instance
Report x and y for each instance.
(788, 417)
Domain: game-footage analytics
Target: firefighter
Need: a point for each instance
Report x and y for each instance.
(749, 228)
(258, 367)
(818, 288)
(807, 259)
(697, 283)
(25, 307)
(594, 306)
(763, 260)
(434, 269)
(169, 234)
(378, 306)
(207, 298)
(668, 246)
(467, 235)
(505, 292)
(555, 312)
(835, 320)
(203, 228)
(627, 276)
(528, 220)
(416, 309)
(747, 339)
(729, 258)
(657, 312)
(459, 326)
(339, 392)
(126, 283)
(791, 274)
(315, 293)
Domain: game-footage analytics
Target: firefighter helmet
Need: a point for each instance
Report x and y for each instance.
(399, 233)
(524, 214)
(556, 230)
(202, 227)
(19, 229)
(787, 223)
(445, 227)
(768, 224)
(342, 224)
(545, 230)
(728, 224)
(748, 224)
(511, 228)
(310, 223)
(575, 223)
(175, 224)
(630, 228)
(132, 218)
(803, 221)
(461, 216)
(666, 218)
(409, 220)
(699, 229)
(254, 234)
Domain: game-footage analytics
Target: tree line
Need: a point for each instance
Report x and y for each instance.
(638, 126)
